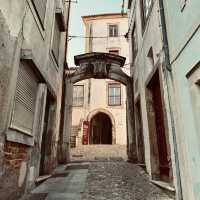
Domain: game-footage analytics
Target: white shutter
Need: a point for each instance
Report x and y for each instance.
(25, 98)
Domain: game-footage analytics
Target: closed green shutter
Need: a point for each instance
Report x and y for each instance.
(25, 99)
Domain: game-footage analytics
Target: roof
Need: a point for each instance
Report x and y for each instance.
(104, 16)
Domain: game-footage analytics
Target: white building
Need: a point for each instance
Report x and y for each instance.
(99, 106)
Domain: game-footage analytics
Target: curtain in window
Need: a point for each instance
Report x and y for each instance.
(114, 94)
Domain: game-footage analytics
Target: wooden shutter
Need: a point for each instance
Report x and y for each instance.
(40, 7)
(25, 99)
(56, 41)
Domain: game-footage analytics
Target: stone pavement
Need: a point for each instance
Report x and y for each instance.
(105, 176)
(91, 152)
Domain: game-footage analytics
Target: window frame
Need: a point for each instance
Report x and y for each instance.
(134, 42)
(108, 96)
(114, 50)
(41, 21)
(113, 36)
(144, 17)
(82, 103)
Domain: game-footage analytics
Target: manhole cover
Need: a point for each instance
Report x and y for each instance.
(74, 167)
(57, 175)
(101, 158)
(116, 159)
(41, 196)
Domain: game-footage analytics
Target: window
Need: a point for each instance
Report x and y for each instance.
(116, 52)
(146, 6)
(114, 94)
(40, 7)
(113, 30)
(25, 100)
(56, 40)
(78, 95)
(134, 43)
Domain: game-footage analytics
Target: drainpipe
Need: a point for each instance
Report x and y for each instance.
(168, 76)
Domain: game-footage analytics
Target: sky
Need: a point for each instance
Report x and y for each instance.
(76, 27)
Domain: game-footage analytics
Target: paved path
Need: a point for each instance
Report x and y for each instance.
(106, 176)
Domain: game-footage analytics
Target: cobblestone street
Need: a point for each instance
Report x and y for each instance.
(98, 173)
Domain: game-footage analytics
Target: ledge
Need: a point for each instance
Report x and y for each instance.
(164, 185)
(19, 137)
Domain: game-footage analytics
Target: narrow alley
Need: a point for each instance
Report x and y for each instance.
(99, 172)
(99, 100)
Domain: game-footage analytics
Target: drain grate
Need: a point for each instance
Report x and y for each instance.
(57, 175)
(116, 159)
(101, 159)
(74, 167)
(41, 196)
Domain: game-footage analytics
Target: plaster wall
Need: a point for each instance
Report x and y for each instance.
(143, 70)
(184, 54)
(99, 88)
(21, 30)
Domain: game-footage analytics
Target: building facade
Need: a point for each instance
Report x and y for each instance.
(164, 44)
(183, 31)
(99, 106)
(32, 61)
(153, 121)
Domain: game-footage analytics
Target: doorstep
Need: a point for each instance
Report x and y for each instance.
(164, 185)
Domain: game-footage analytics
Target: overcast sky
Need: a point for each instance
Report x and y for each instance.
(86, 7)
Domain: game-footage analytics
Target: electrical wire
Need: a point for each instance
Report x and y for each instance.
(93, 37)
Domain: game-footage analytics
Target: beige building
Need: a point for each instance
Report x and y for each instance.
(99, 106)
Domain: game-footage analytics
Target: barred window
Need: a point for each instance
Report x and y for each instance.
(78, 95)
(114, 94)
(113, 30)
(40, 7)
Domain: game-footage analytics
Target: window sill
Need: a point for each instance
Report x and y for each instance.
(19, 137)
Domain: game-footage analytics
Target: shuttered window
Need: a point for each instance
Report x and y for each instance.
(40, 7)
(25, 99)
(114, 94)
(56, 41)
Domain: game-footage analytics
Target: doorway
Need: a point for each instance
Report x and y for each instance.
(159, 141)
(45, 160)
(100, 129)
(140, 137)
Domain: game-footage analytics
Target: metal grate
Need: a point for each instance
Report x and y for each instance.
(41, 196)
(119, 159)
(74, 167)
(57, 175)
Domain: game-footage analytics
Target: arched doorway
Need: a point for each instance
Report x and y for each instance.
(100, 129)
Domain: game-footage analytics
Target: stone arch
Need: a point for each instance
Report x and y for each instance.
(110, 115)
(99, 65)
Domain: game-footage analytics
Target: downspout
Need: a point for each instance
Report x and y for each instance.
(168, 76)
